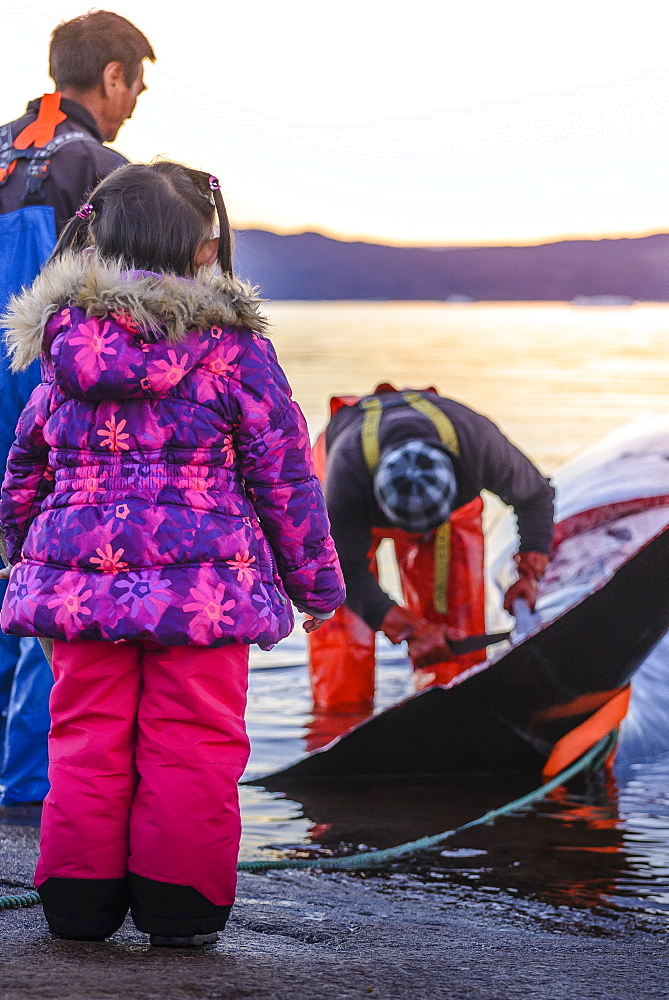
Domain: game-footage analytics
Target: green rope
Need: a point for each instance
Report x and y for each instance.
(593, 759)
(30, 898)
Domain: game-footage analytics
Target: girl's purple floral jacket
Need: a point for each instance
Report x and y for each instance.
(160, 485)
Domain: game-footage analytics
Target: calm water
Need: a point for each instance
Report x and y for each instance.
(556, 378)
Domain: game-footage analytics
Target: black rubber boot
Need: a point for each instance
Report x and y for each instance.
(176, 915)
(84, 909)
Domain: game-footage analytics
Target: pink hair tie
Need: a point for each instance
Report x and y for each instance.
(214, 183)
(85, 211)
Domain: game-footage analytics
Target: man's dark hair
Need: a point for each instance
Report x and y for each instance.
(152, 218)
(81, 48)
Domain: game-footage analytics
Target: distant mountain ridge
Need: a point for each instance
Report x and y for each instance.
(311, 266)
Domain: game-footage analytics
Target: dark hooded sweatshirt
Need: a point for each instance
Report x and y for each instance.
(488, 461)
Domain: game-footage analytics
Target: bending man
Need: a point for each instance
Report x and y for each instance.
(411, 466)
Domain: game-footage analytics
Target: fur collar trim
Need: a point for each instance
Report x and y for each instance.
(99, 287)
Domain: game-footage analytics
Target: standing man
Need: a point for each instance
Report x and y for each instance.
(49, 160)
(411, 466)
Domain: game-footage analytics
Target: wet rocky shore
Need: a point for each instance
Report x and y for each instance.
(311, 936)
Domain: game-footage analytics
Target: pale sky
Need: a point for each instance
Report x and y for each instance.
(413, 122)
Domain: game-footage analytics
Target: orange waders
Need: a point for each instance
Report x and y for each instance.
(442, 580)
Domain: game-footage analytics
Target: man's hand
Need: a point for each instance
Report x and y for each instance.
(4, 572)
(525, 588)
(428, 645)
(400, 623)
(531, 568)
(427, 641)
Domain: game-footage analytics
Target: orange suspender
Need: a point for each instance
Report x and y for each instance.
(42, 130)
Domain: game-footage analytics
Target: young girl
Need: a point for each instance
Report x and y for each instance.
(159, 511)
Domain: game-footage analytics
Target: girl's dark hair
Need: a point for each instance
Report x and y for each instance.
(151, 218)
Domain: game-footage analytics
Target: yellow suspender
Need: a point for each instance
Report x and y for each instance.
(370, 431)
(445, 428)
(442, 567)
(373, 408)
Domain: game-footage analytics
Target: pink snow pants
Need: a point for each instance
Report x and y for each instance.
(146, 747)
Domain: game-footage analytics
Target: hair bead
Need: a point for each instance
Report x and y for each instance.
(85, 211)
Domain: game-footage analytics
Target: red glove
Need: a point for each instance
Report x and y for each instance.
(428, 645)
(427, 641)
(531, 568)
(531, 564)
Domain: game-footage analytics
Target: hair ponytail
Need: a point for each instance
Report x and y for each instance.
(225, 233)
(76, 235)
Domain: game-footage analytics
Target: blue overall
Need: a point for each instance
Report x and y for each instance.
(25, 677)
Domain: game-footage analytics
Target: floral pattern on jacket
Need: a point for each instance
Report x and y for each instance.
(161, 487)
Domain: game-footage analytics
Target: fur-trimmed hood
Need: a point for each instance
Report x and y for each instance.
(159, 305)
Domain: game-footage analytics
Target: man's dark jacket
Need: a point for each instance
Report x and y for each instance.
(488, 461)
(75, 169)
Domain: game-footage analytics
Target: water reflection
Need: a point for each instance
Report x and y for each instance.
(555, 378)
